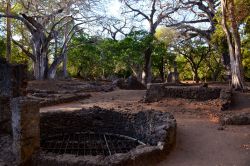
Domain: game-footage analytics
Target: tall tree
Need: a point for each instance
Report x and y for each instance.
(114, 27)
(203, 23)
(201, 12)
(195, 52)
(166, 36)
(45, 21)
(155, 12)
(230, 27)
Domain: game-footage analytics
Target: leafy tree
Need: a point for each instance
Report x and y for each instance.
(163, 57)
(49, 25)
(230, 26)
(246, 48)
(195, 52)
(84, 60)
(132, 49)
(160, 12)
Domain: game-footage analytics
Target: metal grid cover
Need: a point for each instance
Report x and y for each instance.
(89, 143)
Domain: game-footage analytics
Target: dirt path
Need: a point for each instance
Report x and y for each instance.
(199, 142)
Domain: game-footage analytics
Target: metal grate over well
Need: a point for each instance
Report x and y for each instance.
(89, 143)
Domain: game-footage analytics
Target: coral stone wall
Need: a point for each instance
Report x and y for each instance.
(144, 125)
(13, 83)
(13, 79)
(25, 127)
(154, 128)
(156, 92)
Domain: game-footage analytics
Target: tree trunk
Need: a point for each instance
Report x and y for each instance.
(39, 48)
(8, 26)
(176, 74)
(215, 74)
(196, 76)
(65, 57)
(233, 40)
(137, 71)
(52, 73)
(162, 69)
(147, 66)
(239, 81)
(65, 73)
(53, 67)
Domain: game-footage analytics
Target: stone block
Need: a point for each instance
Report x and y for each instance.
(226, 99)
(156, 92)
(5, 116)
(13, 83)
(13, 79)
(25, 128)
(5, 79)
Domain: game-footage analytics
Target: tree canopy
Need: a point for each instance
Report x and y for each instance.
(200, 40)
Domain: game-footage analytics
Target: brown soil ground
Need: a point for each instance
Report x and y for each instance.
(201, 141)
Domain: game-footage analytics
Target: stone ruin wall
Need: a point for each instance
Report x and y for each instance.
(144, 125)
(19, 115)
(13, 83)
(156, 92)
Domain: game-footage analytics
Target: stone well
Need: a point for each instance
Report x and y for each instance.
(69, 138)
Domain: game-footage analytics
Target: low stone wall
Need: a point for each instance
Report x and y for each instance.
(236, 119)
(53, 99)
(156, 129)
(156, 92)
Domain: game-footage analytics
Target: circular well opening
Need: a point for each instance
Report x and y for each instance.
(89, 143)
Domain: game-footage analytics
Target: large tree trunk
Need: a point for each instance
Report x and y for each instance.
(233, 40)
(53, 67)
(8, 26)
(40, 48)
(52, 72)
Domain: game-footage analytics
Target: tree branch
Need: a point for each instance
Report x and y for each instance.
(138, 11)
(24, 50)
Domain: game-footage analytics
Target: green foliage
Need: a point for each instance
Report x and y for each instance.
(165, 35)
(219, 40)
(107, 57)
(84, 59)
(2, 47)
(132, 48)
(193, 54)
(94, 57)
(184, 68)
(246, 48)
